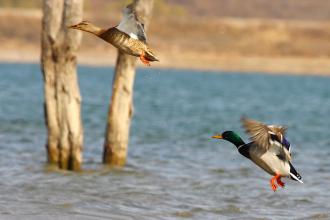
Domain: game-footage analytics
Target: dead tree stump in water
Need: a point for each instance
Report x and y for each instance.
(61, 91)
(121, 106)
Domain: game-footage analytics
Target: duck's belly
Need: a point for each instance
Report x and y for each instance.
(269, 162)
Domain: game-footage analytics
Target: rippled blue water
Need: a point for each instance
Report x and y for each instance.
(175, 170)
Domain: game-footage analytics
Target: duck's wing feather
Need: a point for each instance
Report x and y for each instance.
(261, 133)
(131, 25)
(286, 144)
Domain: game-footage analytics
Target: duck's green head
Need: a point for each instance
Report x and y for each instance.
(231, 137)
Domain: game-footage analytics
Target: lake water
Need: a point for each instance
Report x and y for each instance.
(174, 170)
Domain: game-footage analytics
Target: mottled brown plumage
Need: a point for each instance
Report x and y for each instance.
(261, 133)
(128, 37)
(127, 44)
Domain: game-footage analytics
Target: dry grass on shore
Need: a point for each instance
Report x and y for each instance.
(205, 43)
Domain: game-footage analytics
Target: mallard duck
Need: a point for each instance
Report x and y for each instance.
(269, 149)
(128, 36)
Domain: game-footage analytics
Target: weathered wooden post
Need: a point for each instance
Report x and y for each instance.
(121, 106)
(61, 90)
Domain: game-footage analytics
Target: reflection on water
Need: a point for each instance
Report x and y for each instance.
(175, 170)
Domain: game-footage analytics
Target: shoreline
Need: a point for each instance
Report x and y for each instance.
(291, 47)
(191, 60)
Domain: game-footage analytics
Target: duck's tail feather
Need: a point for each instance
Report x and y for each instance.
(150, 56)
(294, 174)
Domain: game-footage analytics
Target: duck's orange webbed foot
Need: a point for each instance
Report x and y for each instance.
(279, 182)
(272, 182)
(143, 59)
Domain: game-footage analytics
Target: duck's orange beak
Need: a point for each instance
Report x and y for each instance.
(218, 136)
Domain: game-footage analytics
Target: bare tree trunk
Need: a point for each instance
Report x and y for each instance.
(61, 90)
(121, 106)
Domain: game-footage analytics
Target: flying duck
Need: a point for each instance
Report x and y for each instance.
(269, 149)
(128, 36)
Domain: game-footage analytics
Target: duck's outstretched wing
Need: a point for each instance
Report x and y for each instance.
(131, 25)
(263, 135)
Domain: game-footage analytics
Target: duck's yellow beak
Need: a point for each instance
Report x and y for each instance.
(218, 136)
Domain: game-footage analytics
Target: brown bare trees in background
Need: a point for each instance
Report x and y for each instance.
(121, 106)
(61, 90)
(62, 96)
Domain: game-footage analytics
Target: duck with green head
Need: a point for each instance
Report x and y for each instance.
(128, 36)
(269, 150)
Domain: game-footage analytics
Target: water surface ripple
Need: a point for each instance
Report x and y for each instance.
(175, 170)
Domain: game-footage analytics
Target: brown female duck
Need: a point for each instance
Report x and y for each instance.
(128, 36)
